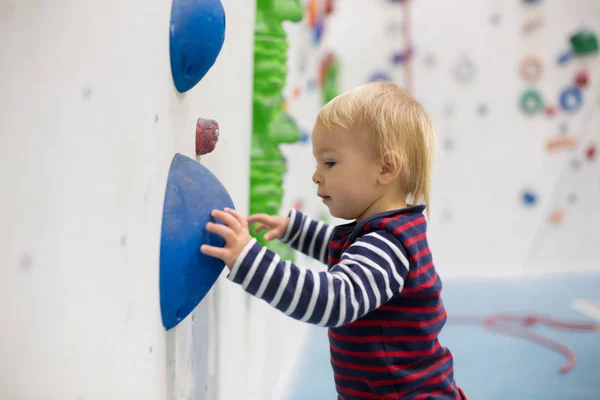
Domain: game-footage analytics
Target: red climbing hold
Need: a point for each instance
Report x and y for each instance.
(328, 7)
(298, 205)
(551, 110)
(326, 62)
(582, 78)
(590, 152)
(207, 136)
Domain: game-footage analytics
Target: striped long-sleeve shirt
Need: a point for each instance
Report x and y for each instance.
(380, 299)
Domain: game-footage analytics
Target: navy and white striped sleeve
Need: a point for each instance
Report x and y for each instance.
(372, 271)
(308, 236)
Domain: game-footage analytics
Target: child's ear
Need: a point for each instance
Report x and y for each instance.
(391, 165)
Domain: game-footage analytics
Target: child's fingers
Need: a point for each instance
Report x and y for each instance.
(217, 252)
(228, 219)
(225, 232)
(262, 218)
(238, 217)
(260, 228)
(272, 234)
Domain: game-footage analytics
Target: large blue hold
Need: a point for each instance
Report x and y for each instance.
(186, 274)
(197, 36)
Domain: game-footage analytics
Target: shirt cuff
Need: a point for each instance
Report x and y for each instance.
(295, 224)
(244, 261)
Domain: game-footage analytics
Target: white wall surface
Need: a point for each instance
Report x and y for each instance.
(90, 122)
(479, 225)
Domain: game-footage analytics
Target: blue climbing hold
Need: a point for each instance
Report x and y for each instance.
(318, 30)
(305, 137)
(380, 77)
(571, 99)
(186, 274)
(197, 36)
(564, 128)
(400, 57)
(565, 57)
(529, 198)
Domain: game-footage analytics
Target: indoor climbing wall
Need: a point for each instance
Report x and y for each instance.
(97, 99)
(513, 88)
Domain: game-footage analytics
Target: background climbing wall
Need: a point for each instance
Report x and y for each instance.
(90, 122)
(503, 205)
(497, 189)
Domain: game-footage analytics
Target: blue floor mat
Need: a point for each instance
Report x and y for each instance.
(488, 365)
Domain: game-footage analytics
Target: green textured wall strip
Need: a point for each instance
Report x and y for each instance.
(272, 126)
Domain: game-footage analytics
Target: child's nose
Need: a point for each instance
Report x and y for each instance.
(316, 178)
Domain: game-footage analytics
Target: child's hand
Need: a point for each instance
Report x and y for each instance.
(235, 233)
(277, 225)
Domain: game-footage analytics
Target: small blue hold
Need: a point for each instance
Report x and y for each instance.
(311, 84)
(401, 57)
(318, 30)
(380, 77)
(565, 57)
(564, 127)
(482, 109)
(305, 137)
(529, 198)
(197, 33)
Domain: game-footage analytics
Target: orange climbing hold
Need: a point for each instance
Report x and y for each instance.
(532, 68)
(533, 24)
(557, 216)
(561, 142)
(312, 11)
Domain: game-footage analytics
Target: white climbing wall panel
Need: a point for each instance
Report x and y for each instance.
(90, 121)
(490, 152)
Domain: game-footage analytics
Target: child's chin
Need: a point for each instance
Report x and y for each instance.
(339, 214)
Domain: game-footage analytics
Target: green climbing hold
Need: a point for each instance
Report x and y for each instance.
(532, 102)
(584, 42)
(272, 126)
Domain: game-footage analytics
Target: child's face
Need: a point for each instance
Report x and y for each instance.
(347, 171)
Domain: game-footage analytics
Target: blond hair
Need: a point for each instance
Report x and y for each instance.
(398, 123)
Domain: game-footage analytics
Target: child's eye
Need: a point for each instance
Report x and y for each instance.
(329, 164)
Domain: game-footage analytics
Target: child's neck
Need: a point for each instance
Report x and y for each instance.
(385, 203)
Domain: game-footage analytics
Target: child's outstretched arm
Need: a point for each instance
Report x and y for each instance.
(371, 272)
(297, 230)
